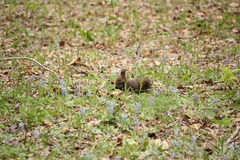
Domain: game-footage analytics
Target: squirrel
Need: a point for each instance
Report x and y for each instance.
(138, 85)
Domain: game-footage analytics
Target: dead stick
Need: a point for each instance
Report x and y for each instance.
(45, 68)
(138, 48)
(233, 136)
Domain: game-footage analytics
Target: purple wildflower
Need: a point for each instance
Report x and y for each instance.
(214, 101)
(157, 92)
(137, 106)
(221, 129)
(63, 91)
(118, 158)
(124, 117)
(150, 100)
(42, 83)
(175, 143)
(227, 61)
(172, 154)
(194, 139)
(77, 91)
(111, 106)
(13, 127)
(225, 157)
(176, 133)
(82, 112)
(180, 122)
(36, 134)
(172, 89)
(31, 79)
(89, 93)
(167, 113)
(195, 98)
(17, 105)
(118, 74)
(62, 83)
(21, 125)
(14, 143)
(238, 93)
(197, 150)
(137, 123)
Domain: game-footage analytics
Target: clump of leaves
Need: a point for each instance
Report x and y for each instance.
(228, 76)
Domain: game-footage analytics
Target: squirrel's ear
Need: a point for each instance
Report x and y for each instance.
(123, 73)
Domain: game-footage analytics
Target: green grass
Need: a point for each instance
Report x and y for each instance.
(191, 112)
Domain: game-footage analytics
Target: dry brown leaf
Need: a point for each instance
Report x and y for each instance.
(75, 62)
(234, 4)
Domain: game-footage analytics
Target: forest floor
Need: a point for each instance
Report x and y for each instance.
(62, 102)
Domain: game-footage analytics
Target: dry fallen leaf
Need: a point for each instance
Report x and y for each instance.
(75, 62)
(234, 4)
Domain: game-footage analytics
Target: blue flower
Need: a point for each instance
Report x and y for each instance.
(42, 83)
(118, 74)
(13, 127)
(82, 112)
(214, 101)
(124, 117)
(172, 89)
(62, 83)
(21, 125)
(172, 154)
(167, 113)
(238, 93)
(137, 106)
(157, 92)
(194, 139)
(89, 93)
(197, 150)
(150, 100)
(17, 105)
(77, 91)
(176, 133)
(195, 98)
(175, 143)
(36, 134)
(180, 122)
(14, 143)
(111, 106)
(63, 91)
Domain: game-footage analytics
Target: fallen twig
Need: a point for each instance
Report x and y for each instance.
(138, 48)
(233, 137)
(45, 68)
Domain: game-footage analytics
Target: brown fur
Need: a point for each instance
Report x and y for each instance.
(139, 85)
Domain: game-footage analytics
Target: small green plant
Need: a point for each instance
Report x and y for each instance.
(228, 76)
(87, 36)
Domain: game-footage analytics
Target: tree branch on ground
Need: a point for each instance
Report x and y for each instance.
(30, 59)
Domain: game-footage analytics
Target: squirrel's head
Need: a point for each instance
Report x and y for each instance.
(120, 82)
